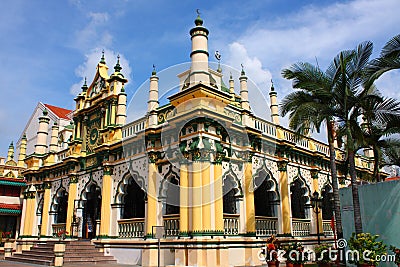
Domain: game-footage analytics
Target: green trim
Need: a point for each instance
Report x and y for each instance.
(199, 52)
(12, 183)
(10, 211)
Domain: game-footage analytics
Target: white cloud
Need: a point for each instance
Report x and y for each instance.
(315, 33)
(88, 68)
(93, 34)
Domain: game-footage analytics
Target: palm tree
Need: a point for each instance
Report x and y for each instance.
(349, 67)
(381, 119)
(389, 59)
(308, 108)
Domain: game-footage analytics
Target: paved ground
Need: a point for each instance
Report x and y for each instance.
(17, 264)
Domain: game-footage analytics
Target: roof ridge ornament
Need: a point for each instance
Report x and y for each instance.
(117, 67)
(102, 60)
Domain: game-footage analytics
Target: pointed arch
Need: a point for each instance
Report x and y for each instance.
(59, 205)
(131, 195)
(300, 198)
(169, 192)
(327, 201)
(232, 192)
(266, 193)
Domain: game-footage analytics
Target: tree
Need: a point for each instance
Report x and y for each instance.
(311, 106)
(389, 59)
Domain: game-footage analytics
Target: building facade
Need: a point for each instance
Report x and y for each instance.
(12, 184)
(218, 178)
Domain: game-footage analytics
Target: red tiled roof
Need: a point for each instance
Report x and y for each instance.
(60, 112)
(10, 206)
(392, 178)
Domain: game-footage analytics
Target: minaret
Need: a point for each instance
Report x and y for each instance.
(274, 105)
(244, 93)
(41, 141)
(10, 155)
(22, 152)
(54, 138)
(152, 104)
(121, 109)
(232, 87)
(199, 55)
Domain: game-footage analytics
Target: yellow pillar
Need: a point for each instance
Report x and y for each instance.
(46, 209)
(283, 182)
(206, 196)
(73, 189)
(249, 197)
(30, 213)
(106, 192)
(151, 219)
(196, 197)
(184, 200)
(314, 175)
(218, 198)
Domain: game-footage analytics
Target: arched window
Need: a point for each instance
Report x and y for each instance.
(327, 205)
(62, 206)
(230, 192)
(299, 199)
(265, 199)
(172, 200)
(134, 205)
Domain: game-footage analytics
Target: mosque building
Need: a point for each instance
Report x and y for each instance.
(219, 179)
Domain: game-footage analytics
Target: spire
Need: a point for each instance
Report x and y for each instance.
(10, 155)
(102, 60)
(117, 67)
(272, 86)
(231, 86)
(244, 93)
(154, 72)
(274, 104)
(84, 86)
(198, 21)
(242, 73)
(22, 152)
(199, 69)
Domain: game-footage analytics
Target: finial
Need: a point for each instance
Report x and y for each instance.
(84, 86)
(272, 86)
(242, 73)
(198, 21)
(230, 77)
(117, 67)
(218, 57)
(154, 72)
(11, 145)
(102, 60)
(45, 112)
(24, 137)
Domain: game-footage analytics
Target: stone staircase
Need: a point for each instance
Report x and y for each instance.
(76, 253)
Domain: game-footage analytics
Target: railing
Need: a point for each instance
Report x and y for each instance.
(58, 227)
(134, 127)
(326, 225)
(301, 227)
(61, 155)
(266, 226)
(130, 228)
(231, 224)
(265, 127)
(171, 225)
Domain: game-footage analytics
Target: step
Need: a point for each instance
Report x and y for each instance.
(38, 256)
(23, 259)
(66, 263)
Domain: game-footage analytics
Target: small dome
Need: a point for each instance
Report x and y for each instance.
(198, 21)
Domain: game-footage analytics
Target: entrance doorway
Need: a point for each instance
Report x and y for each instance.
(91, 211)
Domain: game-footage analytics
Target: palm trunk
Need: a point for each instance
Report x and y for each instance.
(377, 174)
(335, 185)
(354, 190)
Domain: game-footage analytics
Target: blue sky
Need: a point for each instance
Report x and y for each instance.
(47, 47)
